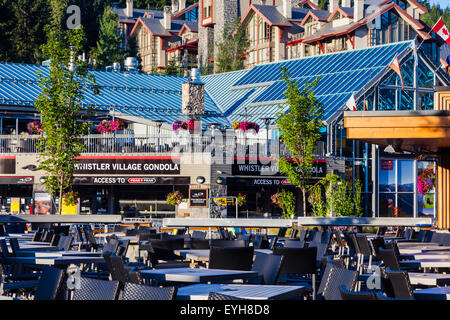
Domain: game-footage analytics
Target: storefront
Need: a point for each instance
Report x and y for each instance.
(258, 179)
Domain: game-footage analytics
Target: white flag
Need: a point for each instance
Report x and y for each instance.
(351, 104)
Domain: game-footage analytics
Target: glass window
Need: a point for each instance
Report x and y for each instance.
(387, 176)
(405, 176)
(386, 204)
(405, 205)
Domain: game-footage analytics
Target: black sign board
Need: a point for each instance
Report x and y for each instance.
(128, 165)
(16, 180)
(258, 182)
(258, 167)
(8, 165)
(131, 180)
(198, 198)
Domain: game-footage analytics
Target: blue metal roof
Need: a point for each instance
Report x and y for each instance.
(234, 96)
(149, 96)
(341, 75)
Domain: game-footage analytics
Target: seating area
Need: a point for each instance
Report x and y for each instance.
(76, 262)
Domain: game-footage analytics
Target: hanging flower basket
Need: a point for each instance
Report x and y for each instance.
(174, 198)
(179, 125)
(34, 127)
(426, 181)
(111, 126)
(276, 199)
(245, 125)
(241, 199)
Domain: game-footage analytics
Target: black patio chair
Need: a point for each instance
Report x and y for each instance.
(421, 236)
(118, 271)
(268, 267)
(353, 295)
(336, 278)
(273, 242)
(293, 243)
(227, 243)
(221, 296)
(197, 243)
(381, 230)
(299, 266)
(133, 291)
(364, 250)
(198, 234)
(94, 289)
(64, 243)
(400, 284)
(37, 236)
(229, 258)
(50, 284)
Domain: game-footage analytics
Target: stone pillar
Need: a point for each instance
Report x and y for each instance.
(225, 13)
(443, 189)
(205, 45)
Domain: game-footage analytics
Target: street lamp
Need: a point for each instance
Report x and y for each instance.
(267, 122)
(213, 127)
(159, 123)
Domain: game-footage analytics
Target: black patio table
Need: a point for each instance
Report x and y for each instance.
(196, 275)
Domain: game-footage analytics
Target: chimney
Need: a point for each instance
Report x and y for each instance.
(193, 95)
(174, 6)
(316, 2)
(286, 9)
(167, 20)
(332, 5)
(181, 5)
(129, 9)
(346, 4)
(358, 10)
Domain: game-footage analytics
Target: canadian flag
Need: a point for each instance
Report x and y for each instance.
(442, 30)
(351, 104)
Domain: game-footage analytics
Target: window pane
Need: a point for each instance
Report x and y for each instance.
(387, 176)
(406, 205)
(405, 176)
(386, 205)
(425, 205)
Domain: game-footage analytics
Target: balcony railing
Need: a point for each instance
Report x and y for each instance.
(130, 143)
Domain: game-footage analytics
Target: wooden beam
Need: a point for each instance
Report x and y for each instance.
(443, 189)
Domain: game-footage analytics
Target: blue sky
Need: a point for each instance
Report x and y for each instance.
(442, 3)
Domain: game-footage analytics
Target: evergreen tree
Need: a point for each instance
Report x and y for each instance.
(110, 43)
(30, 17)
(232, 48)
(7, 53)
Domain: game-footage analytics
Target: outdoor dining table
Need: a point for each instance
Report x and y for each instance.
(196, 275)
(422, 248)
(439, 293)
(42, 254)
(427, 255)
(202, 255)
(429, 279)
(201, 291)
(56, 260)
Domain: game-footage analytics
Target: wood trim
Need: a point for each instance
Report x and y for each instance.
(412, 122)
(443, 190)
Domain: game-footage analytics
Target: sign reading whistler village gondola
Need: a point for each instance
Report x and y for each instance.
(128, 165)
(262, 167)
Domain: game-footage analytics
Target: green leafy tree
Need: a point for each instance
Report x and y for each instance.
(109, 46)
(60, 105)
(232, 49)
(287, 204)
(299, 131)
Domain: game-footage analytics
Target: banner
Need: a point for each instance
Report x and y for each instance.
(127, 165)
